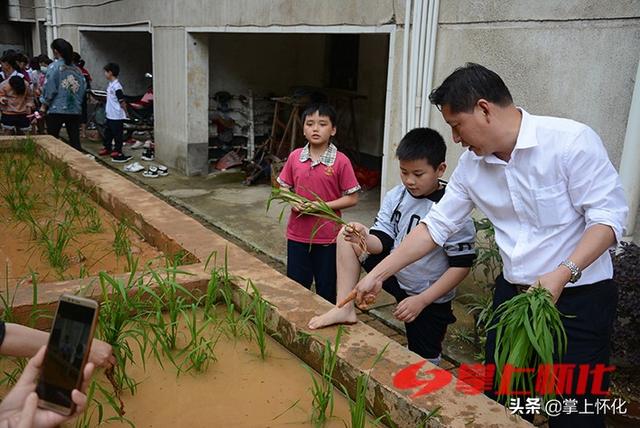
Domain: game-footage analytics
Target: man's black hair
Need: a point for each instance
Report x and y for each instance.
(113, 68)
(422, 143)
(466, 85)
(323, 109)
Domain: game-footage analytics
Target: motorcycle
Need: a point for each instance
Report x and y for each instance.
(139, 111)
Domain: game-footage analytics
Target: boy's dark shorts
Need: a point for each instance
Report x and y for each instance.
(426, 333)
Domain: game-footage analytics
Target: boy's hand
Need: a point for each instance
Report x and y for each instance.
(354, 232)
(409, 309)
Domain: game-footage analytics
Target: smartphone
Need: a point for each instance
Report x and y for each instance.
(67, 352)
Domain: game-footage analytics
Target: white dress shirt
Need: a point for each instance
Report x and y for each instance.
(558, 182)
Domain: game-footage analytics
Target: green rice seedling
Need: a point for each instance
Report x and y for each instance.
(212, 294)
(35, 314)
(93, 222)
(55, 238)
(7, 298)
(121, 242)
(170, 297)
(11, 376)
(117, 325)
(16, 190)
(425, 422)
(96, 404)
(317, 208)
(528, 331)
(259, 319)
(322, 390)
(200, 350)
(358, 404)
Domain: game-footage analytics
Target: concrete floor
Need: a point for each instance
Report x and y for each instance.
(239, 211)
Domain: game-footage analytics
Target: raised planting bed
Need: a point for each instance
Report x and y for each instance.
(53, 230)
(150, 306)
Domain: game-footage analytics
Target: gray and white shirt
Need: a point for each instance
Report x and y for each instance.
(399, 213)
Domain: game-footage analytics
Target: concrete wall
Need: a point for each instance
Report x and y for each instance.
(131, 50)
(172, 13)
(574, 59)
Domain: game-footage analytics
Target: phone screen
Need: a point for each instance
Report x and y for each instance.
(63, 359)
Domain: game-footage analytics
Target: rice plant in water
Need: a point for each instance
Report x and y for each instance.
(118, 325)
(93, 222)
(200, 350)
(259, 319)
(528, 331)
(121, 242)
(322, 390)
(55, 238)
(165, 294)
(358, 404)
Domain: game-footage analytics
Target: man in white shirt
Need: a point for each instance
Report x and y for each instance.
(556, 203)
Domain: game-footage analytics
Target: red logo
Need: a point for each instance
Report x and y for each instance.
(476, 379)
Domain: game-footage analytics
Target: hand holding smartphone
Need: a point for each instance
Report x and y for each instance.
(67, 352)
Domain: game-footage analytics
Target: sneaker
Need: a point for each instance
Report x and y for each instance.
(114, 153)
(147, 155)
(148, 144)
(137, 145)
(133, 167)
(120, 158)
(103, 152)
(163, 171)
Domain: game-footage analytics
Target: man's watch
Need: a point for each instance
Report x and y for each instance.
(576, 272)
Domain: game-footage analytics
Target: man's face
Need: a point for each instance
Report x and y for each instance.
(471, 129)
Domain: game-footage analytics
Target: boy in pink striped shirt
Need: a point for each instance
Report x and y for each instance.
(317, 170)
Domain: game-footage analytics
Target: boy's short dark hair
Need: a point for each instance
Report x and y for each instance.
(466, 85)
(422, 143)
(323, 109)
(113, 68)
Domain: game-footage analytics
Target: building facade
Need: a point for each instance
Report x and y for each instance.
(577, 59)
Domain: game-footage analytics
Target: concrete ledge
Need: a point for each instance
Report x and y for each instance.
(292, 304)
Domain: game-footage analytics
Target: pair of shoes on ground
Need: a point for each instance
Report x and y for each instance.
(139, 145)
(152, 172)
(156, 171)
(117, 157)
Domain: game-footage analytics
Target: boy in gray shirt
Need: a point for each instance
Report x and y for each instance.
(424, 289)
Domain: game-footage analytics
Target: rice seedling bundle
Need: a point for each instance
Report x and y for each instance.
(528, 333)
(317, 208)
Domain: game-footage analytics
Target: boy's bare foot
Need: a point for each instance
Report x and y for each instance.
(344, 315)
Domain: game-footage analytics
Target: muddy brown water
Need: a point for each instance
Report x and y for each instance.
(90, 252)
(239, 389)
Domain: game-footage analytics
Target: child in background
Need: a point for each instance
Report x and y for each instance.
(317, 169)
(116, 115)
(16, 103)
